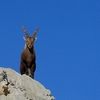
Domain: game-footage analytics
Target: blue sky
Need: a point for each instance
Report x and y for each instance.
(68, 45)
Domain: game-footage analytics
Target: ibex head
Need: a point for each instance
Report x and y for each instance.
(29, 40)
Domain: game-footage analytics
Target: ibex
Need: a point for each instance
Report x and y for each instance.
(28, 57)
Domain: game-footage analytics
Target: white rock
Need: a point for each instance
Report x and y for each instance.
(22, 87)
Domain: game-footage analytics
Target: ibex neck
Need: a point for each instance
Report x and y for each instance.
(30, 50)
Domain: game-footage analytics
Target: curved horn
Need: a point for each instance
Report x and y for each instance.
(25, 31)
(35, 32)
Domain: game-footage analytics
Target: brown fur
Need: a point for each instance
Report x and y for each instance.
(28, 57)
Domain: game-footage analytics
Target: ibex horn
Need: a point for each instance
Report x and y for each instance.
(35, 32)
(25, 31)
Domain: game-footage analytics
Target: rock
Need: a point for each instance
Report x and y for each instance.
(21, 87)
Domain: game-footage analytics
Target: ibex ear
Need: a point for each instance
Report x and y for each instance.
(24, 38)
(35, 38)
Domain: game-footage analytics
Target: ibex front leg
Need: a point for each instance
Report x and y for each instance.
(29, 72)
(33, 68)
(23, 68)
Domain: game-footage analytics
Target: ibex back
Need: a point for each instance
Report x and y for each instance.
(28, 57)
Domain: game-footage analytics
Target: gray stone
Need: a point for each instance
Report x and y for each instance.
(22, 87)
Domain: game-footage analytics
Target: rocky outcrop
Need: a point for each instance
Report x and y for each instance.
(14, 86)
